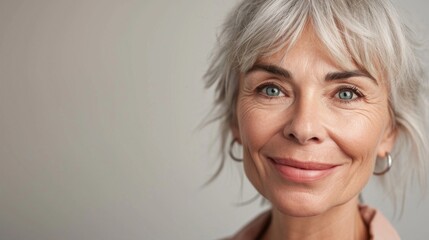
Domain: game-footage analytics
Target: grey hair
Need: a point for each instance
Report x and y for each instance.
(366, 33)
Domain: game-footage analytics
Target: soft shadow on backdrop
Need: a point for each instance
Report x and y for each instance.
(100, 104)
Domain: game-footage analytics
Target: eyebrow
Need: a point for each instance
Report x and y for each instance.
(348, 74)
(281, 72)
(273, 69)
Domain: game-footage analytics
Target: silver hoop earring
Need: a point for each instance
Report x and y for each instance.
(389, 165)
(231, 154)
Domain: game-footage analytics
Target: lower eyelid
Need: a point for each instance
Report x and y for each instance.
(359, 96)
(261, 87)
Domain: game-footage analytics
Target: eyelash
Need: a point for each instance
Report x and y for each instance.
(352, 88)
(269, 84)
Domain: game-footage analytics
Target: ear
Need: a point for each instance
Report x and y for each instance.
(388, 141)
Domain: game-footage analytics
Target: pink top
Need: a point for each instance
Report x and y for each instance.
(379, 226)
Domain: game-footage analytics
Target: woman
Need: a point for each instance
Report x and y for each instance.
(317, 94)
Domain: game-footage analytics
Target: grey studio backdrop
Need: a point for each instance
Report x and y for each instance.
(100, 103)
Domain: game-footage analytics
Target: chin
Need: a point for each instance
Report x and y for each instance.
(300, 204)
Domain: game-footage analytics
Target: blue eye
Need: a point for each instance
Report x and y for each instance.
(346, 94)
(271, 91)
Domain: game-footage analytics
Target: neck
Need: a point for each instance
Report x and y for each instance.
(334, 224)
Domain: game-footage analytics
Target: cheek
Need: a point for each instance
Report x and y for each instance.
(257, 124)
(359, 133)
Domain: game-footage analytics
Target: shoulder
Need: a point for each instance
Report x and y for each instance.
(252, 229)
(379, 227)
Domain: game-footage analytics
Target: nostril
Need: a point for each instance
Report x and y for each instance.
(292, 136)
(304, 131)
(302, 139)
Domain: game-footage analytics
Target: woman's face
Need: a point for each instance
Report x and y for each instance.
(310, 130)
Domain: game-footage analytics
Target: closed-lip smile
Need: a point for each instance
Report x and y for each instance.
(302, 171)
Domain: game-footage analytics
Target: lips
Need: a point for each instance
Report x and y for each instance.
(302, 165)
(301, 171)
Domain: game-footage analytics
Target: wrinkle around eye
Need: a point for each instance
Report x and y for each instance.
(248, 106)
(258, 91)
(369, 117)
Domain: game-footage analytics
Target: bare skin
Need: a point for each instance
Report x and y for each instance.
(311, 132)
(332, 226)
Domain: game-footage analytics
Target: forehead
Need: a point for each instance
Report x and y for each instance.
(309, 50)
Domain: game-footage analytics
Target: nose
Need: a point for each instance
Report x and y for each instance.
(305, 124)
